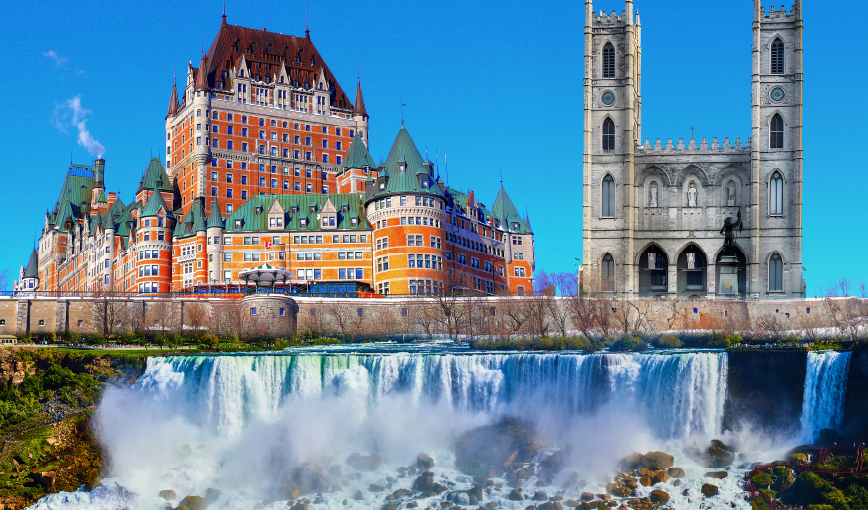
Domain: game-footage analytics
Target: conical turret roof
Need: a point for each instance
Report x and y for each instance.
(505, 211)
(155, 203)
(358, 155)
(32, 269)
(214, 219)
(173, 101)
(359, 107)
(155, 175)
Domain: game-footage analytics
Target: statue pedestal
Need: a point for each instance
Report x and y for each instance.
(728, 286)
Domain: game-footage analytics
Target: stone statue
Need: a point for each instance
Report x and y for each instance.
(730, 194)
(691, 195)
(652, 201)
(728, 227)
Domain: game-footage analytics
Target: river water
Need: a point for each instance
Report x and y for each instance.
(241, 422)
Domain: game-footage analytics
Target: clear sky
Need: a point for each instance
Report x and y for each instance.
(494, 86)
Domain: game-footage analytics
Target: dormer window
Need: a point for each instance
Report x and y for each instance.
(354, 222)
(424, 183)
(515, 225)
(303, 222)
(312, 209)
(294, 209)
(383, 185)
(402, 167)
(345, 208)
(258, 210)
(237, 223)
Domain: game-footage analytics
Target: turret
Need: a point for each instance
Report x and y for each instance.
(360, 115)
(214, 232)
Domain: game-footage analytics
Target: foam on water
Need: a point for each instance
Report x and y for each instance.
(250, 419)
(825, 388)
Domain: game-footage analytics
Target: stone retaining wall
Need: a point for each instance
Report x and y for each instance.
(403, 316)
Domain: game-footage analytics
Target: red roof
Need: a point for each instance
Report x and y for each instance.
(360, 101)
(264, 52)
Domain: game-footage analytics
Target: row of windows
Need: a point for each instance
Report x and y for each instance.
(273, 123)
(273, 151)
(230, 193)
(262, 168)
(385, 203)
(426, 261)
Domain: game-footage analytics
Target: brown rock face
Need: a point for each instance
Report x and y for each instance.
(660, 497)
(676, 472)
(708, 490)
(717, 474)
(661, 477)
(657, 460)
(194, 503)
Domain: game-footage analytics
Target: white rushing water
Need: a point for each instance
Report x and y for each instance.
(825, 388)
(250, 419)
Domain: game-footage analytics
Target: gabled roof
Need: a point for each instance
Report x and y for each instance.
(154, 204)
(359, 108)
(193, 222)
(76, 190)
(358, 155)
(102, 198)
(405, 153)
(264, 53)
(505, 211)
(214, 219)
(155, 175)
(298, 207)
(32, 269)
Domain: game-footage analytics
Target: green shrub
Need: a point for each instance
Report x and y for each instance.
(718, 341)
(668, 342)
(762, 479)
(628, 344)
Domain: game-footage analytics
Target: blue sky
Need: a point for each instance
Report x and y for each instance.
(493, 86)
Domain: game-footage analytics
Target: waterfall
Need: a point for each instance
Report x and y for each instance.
(676, 395)
(825, 388)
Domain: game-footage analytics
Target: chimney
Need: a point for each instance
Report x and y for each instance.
(99, 172)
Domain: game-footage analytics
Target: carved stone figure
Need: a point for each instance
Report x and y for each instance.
(691, 195)
(730, 194)
(652, 200)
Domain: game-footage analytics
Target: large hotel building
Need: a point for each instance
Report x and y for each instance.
(267, 162)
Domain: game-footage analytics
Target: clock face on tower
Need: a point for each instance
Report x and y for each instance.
(777, 94)
(608, 98)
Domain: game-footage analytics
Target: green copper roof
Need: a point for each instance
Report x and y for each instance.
(214, 219)
(193, 222)
(76, 190)
(155, 175)
(505, 211)
(358, 155)
(102, 199)
(414, 177)
(154, 204)
(296, 208)
(32, 269)
(125, 216)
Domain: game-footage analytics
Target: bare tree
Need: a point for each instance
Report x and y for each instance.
(161, 315)
(583, 313)
(110, 312)
(863, 290)
(844, 284)
(197, 316)
(424, 313)
(768, 326)
(628, 317)
(338, 315)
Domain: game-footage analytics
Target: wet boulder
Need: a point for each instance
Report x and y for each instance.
(660, 477)
(676, 472)
(496, 447)
(716, 474)
(515, 495)
(193, 503)
(168, 495)
(426, 485)
(709, 490)
(630, 462)
(423, 460)
(361, 462)
(657, 460)
(659, 497)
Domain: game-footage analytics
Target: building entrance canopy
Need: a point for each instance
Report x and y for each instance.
(265, 275)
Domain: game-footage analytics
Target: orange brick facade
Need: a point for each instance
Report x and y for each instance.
(275, 168)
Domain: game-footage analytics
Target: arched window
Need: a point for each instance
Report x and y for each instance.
(776, 195)
(608, 197)
(778, 57)
(776, 133)
(608, 136)
(776, 273)
(607, 274)
(608, 61)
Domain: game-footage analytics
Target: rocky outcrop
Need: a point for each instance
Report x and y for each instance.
(490, 450)
(426, 485)
(709, 490)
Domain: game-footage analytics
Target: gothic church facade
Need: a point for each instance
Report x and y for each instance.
(653, 211)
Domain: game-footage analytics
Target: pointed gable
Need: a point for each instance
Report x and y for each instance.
(156, 205)
(155, 176)
(358, 155)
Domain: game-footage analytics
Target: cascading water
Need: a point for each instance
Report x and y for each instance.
(677, 394)
(249, 420)
(825, 388)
